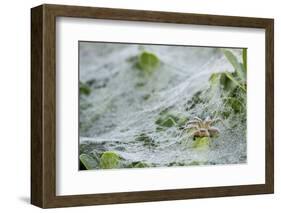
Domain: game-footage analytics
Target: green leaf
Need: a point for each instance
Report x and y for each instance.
(141, 165)
(245, 58)
(201, 143)
(148, 62)
(229, 75)
(84, 89)
(221, 78)
(109, 160)
(215, 78)
(167, 120)
(88, 161)
(147, 141)
(232, 59)
(235, 104)
(235, 63)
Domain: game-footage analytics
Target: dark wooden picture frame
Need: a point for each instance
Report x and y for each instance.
(43, 105)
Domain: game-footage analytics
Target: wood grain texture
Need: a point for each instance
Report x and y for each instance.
(269, 102)
(36, 106)
(43, 105)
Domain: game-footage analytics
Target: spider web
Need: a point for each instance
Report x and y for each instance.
(125, 104)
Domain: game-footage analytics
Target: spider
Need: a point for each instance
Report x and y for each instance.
(203, 128)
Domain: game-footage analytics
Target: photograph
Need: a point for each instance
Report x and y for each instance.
(140, 105)
(152, 105)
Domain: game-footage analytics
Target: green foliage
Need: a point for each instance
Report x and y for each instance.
(141, 165)
(88, 161)
(199, 98)
(235, 104)
(140, 84)
(235, 81)
(227, 80)
(176, 164)
(233, 84)
(244, 53)
(147, 62)
(194, 163)
(138, 164)
(146, 97)
(84, 89)
(222, 79)
(147, 141)
(238, 67)
(238, 77)
(167, 120)
(109, 160)
(201, 143)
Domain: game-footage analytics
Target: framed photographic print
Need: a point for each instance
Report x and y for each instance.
(136, 106)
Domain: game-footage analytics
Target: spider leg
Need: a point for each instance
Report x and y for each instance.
(191, 127)
(216, 120)
(207, 123)
(198, 119)
(187, 127)
(192, 122)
